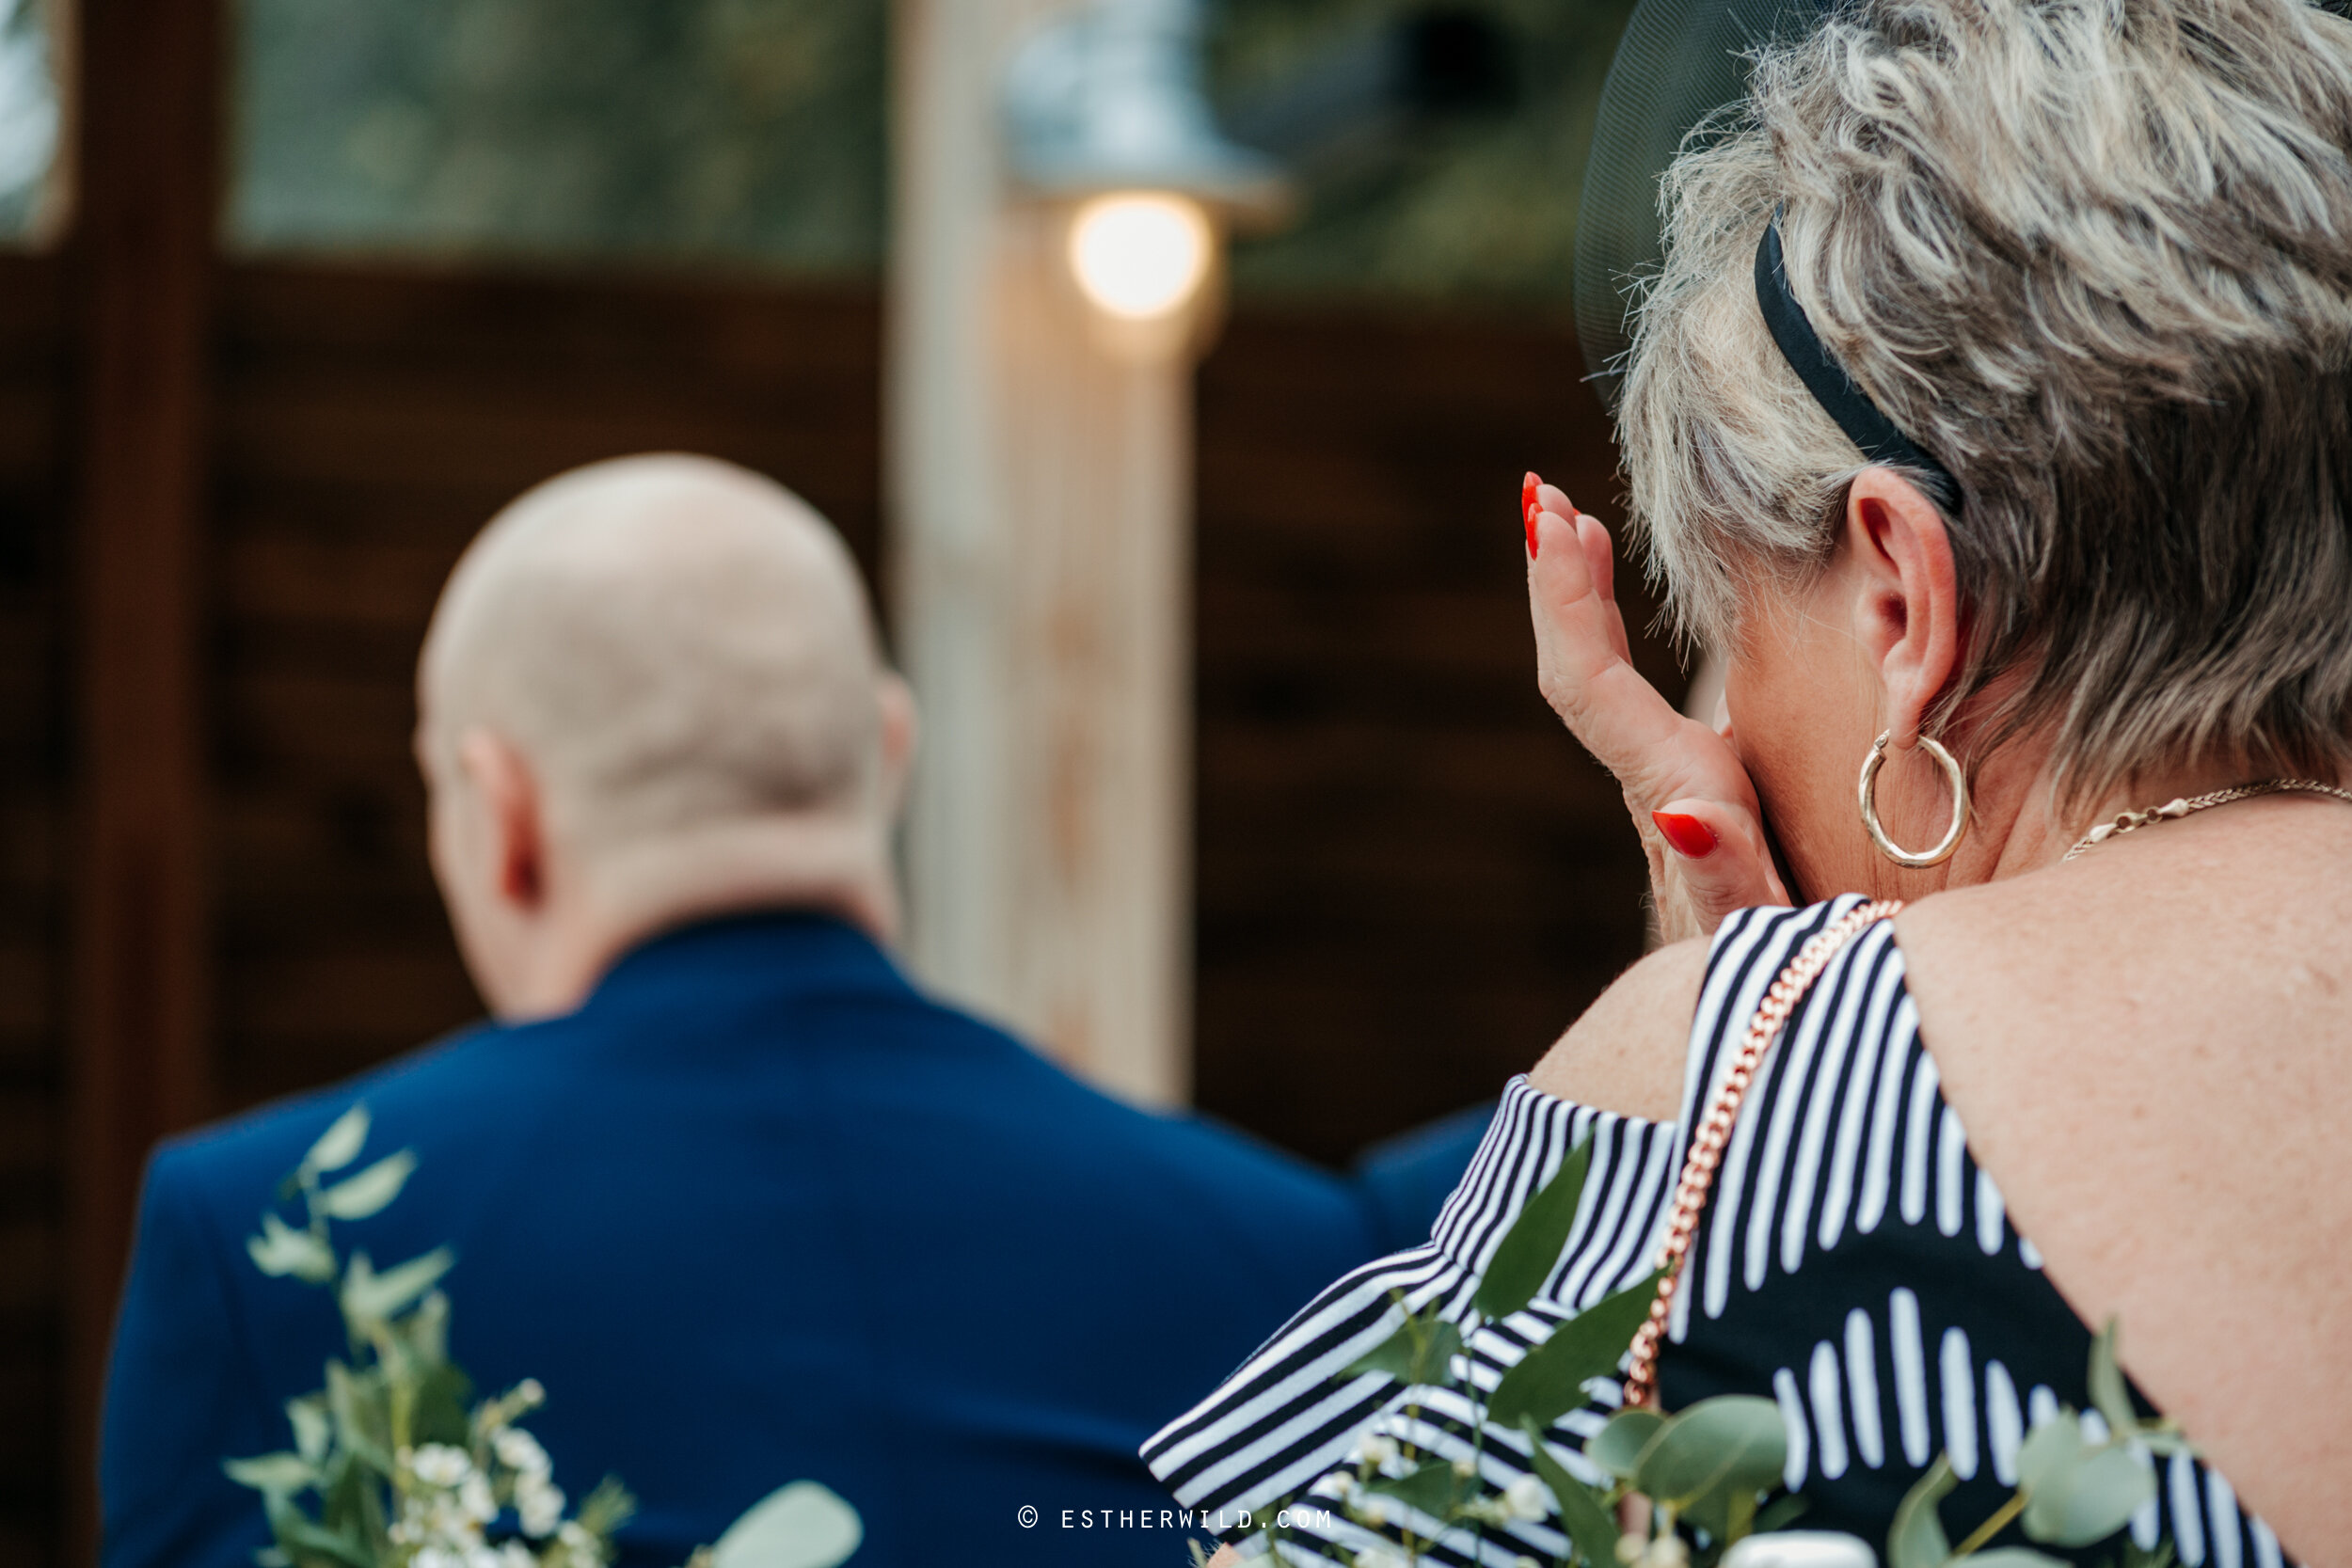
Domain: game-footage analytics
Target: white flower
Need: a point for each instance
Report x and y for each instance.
(1466, 1467)
(520, 1450)
(541, 1504)
(1667, 1551)
(516, 1555)
(439, 1464)
(473, 1496)
(574, 1535)
(1800, 1548)
(1376, 1450)
(437, 1556)
(529, 1391)
(1527, 1498)
(1629, 1550)
(1343, 1485)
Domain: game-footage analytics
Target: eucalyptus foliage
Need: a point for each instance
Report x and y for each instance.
(391, 1468)
(1706, 1482)
(2072, 1491)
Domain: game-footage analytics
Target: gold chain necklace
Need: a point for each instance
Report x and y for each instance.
(2182, 807)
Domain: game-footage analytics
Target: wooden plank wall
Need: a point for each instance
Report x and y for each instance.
(35, 827)
(1409, 879)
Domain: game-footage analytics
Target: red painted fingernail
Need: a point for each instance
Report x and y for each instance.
(1692, 838)
(1528, 510)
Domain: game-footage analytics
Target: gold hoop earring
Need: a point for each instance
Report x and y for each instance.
(1887, 847)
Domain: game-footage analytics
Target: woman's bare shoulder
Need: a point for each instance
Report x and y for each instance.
(1626, 1053)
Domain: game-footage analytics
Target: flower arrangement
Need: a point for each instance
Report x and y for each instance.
(390, 1468)
(1700, 1488)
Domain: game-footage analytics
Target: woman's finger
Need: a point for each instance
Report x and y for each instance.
(1620, 716)
(1594, 536)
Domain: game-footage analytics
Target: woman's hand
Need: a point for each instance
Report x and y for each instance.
(1691, 798)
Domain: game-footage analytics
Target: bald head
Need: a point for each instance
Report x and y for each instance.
(671, 658)
(671, 641)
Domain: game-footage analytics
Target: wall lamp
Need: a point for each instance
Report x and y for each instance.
(1104, 119)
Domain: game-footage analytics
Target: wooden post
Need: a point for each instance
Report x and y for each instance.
(1039, 511)
(146, 91)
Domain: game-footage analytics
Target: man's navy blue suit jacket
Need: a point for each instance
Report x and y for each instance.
(759, 1211)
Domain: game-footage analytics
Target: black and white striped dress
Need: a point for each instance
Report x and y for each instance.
(1855, 1263)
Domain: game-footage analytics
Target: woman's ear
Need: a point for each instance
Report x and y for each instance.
(1906, 605)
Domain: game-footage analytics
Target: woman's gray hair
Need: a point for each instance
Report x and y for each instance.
(2096, 257)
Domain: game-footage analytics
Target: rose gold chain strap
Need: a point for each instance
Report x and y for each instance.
(1714, 1132)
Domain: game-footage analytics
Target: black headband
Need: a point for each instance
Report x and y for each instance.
(1831, 386)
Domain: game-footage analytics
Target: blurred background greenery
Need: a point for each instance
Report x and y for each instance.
(753, 132)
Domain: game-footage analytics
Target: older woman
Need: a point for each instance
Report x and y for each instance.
(1994, 415)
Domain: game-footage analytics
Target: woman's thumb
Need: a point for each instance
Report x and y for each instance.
(1716, 856)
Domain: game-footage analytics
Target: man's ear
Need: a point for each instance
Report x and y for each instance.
(515, 812)
(1906, 605)
(900, 734)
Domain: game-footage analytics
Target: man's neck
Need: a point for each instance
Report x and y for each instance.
(829, 867)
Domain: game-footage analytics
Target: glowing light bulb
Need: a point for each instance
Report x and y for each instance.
(1140, 255)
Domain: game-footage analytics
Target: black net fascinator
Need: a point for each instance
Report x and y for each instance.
(1679, 64)
(1680, 67)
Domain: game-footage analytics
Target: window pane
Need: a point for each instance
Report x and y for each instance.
(28, 119)
(1457, 179)
(716, 128)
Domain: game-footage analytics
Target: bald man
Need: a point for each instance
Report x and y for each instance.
(751, 1207)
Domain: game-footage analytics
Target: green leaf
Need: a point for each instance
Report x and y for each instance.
(302, 1538)
(1583, 1515)
(1523, 1260)
(281, 1473)
(2108, 1389)
(361, 1417)
(443, 1392)
(1781, 1512)
(1735, 1443)
(1420, 1351)
(340, 1144)
(2051, 1453)
(802, 1526)
(370, 1190)
(426, 1329)
(313, 1427)
(1548, 1381)
(1428, 1487)
(281, 1250)
(1617, 1446)
(1916, 1539)
(351, 1503)
(2090, 1501)
(370, 1297)
(2013, 1556)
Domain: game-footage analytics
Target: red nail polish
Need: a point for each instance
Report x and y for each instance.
(1528, 510)
(1692, 838)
